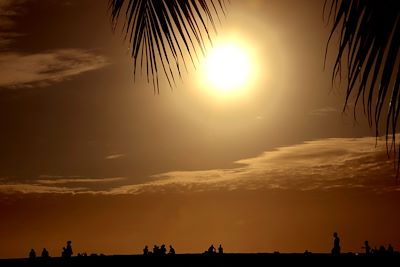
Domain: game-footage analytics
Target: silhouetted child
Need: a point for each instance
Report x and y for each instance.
(336, 244)
(32, 254)
(220, 249)
(367, 248)
(171, 250)
(45, 253)
(146, 250)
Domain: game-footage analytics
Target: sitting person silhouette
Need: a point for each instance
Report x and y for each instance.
(336, 244)
(45, 253)
(32, 254)
(156, 250)
(367, 248)
(220, 249)
(171, 250)
(211, 249)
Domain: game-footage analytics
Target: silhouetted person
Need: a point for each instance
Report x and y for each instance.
(171, 250)
(390, 249)
(367, 248)
(163, 250)
(382, 250)
(156, 250)
(32, 254)
(211, 249)
(220, 249)
(45, 253)
(67, 251)
(336, 244)
(69, 248)
(146, 250)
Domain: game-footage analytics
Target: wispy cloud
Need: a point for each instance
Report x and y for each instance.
(39, 189)
(8, 10)
(19, 70)
(326, 164)
(323, 111)
(7, 38)
(315, 165)
(58, 185)
(79, 180)
(115, 156)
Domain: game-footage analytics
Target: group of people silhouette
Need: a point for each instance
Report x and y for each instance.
(381, 251)
(32, 253)
(66, 252)
(159, 250)
(162, 250)
(367, 248)
(211, 250)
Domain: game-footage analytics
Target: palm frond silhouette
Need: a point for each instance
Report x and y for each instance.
(161, 31)
(369, 43)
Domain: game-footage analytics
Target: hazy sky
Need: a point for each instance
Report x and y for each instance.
(89, 155)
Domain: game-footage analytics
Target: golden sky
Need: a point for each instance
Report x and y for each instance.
(90, 155)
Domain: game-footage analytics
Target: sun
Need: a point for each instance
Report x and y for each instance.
(227, 68)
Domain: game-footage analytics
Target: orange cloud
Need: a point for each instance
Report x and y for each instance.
(324, 164)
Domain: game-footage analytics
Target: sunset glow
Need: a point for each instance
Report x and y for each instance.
(228, 68)
(195, 137)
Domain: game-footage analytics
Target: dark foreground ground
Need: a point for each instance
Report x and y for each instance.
(187, 260)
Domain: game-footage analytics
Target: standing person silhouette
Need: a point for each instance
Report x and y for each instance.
(146, 250)
(163, 250)
(220, 249)
(390, 249)
(336, 244)
(67, 251)
(367, 248)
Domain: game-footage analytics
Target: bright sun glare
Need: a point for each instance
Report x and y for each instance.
(227, 68)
